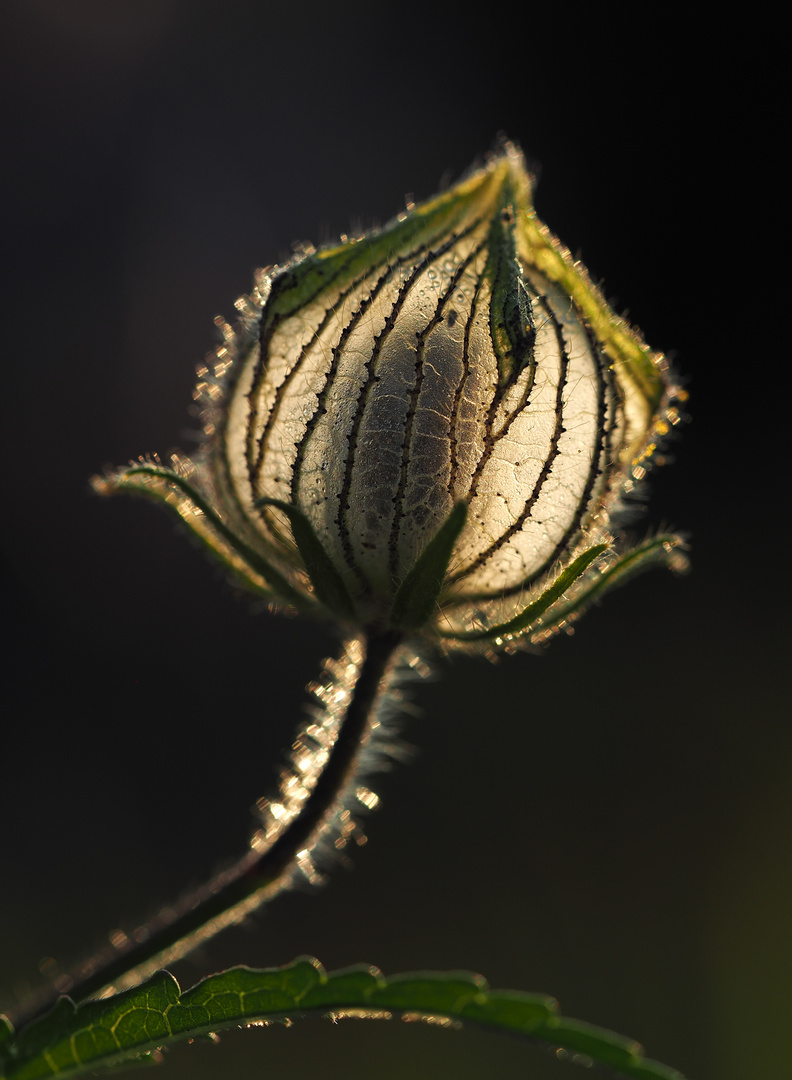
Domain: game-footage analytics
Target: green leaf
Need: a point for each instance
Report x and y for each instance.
(416, 599)
(325, 578)
(132, 1025)
(529, 615)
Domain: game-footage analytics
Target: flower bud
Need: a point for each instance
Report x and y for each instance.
(429, 426)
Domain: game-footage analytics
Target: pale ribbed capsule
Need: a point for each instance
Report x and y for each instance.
(431, 425)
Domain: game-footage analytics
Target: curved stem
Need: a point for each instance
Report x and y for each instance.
(259, 874)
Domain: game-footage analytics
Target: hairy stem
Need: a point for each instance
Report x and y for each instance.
(259, 874)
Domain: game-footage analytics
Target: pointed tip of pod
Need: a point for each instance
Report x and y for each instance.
(503, 177)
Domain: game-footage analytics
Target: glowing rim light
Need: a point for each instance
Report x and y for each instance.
(424, 434)
(430, 426)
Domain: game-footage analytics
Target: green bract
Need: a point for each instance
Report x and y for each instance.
(428, 427)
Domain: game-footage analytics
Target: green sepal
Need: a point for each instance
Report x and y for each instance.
(662, 548)
(529, 615)
(512, 325)
(159, 484)
(325, 578)
(416, 599)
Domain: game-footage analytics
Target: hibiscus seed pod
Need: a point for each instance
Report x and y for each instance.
(430, 426)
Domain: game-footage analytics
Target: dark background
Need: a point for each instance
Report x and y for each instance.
(609, 822)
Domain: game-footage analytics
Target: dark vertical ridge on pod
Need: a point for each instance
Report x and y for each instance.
(292, 373)
(271, 318)
(365, 390)
(490, 440)
(290, 275)
(369, 273)
(415, 393)
(320, 408)
(462, 383)
(545, 471)
(605, 384)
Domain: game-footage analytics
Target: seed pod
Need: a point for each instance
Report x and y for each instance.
(430, 426)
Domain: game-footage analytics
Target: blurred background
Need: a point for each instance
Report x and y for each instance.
(609, 822)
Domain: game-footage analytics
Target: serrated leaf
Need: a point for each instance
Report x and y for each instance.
(99, 1034)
